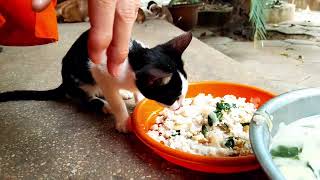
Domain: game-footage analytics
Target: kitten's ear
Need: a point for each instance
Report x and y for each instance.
(153, 76)
(179, 43)
(150, 3)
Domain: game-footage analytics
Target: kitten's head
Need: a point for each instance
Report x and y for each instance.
(159, 71)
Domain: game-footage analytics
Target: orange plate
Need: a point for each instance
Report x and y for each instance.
(146, 111)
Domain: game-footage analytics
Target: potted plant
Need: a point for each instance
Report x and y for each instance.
(277, 11)
(185, 13)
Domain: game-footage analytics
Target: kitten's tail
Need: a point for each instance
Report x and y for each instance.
(19, 95)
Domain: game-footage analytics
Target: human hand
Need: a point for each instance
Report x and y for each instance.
(111, 25)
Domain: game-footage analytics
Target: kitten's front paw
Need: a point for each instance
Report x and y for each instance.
(124, 126)
(126, 95)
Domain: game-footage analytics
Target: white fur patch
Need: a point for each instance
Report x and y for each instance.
(178, 103)
(184, 85)
(102, 66)
(142, 44)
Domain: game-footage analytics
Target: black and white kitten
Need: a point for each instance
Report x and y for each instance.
(155, 73)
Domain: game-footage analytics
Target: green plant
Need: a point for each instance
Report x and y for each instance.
(181, 2)
(257, 16)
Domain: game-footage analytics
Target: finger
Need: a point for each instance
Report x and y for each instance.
(113, 68)
(125, 16)
(101, 14)
(40, 5)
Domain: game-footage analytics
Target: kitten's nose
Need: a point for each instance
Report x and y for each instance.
(177, 104)
(181, 99)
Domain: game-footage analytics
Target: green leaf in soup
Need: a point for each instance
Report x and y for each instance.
(286, 152)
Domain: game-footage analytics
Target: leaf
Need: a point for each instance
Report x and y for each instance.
(223, 106)
(204, 130)
(286, 152)
(219, 115)
(257, 18)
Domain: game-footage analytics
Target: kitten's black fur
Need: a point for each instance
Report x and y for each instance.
(150, 66)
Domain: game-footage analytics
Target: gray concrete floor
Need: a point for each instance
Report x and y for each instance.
(59, 140)
(290, 63)
(292, 60)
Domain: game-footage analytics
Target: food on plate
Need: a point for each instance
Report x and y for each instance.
(206, 125)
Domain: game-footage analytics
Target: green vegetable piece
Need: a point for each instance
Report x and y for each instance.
(230, 142)
(219, 115)
(212, 118)
(223, 106)
(245, 124)
(234, 105)
(286, 152)
(204, 130)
